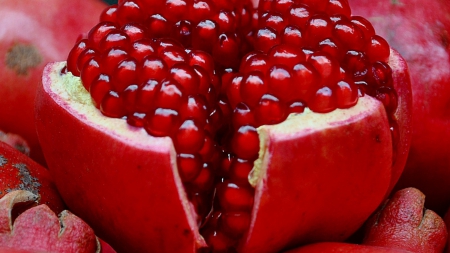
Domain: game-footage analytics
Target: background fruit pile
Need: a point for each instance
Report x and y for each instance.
(405, 222)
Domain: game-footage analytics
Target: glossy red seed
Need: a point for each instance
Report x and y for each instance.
(317, 5)
(109, 14)
(233, 91)
(204, 35)
(172, 55)
(346, 94)
(186, 76)
(299, 16)
(208, 149)
(226, 21)
(280, 83)
(318, 28)
(99, 88)
(85, 57)
(134, 31)
(115, 39)
(252, 88)
(296, 107)
(239, 172)
(112, 105)
(202, 59)
(234, 198)
(98, 32)
(285, 55)
(145, 97)
(245, 142)
(364, 25)
(189, 166)
(175, 9)
(323, 101)
(292, 36)
(204, 80)
(306, 79)
(140, 49)
(329, 46)
(194, 108)
(74, 53)
(112, 58)
(378, 50)
(273, 21)
(242, 116)
(170, 95)
(136, 119)
(125, 74)
(153, 68)
(189, 138)
(158, 26)
(266, 38)
(254, 62)
(162, 122)
(270, 110)
(90, 72)
(349, 35)
(338, 7)
(129, 96)
(282, 6)
(129, 12)
(388, 97)
(326, 66)
(226, 50)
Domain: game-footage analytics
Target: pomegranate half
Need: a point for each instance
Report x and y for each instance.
(313, 181)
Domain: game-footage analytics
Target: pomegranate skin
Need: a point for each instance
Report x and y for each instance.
(420, 30)
(404, 223)
(336, 247)
(19, 172)
(33, 33)
(129, 210)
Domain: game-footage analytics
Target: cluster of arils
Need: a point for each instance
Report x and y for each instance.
(216, 27)
(159, 85)
(308, 54)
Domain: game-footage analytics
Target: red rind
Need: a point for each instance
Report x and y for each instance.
(127, 209)
(312, 191)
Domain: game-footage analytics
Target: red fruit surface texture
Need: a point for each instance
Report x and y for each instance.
(38, 229)
(19, 172)
(33, 33)
(420, 31)
(404, 223)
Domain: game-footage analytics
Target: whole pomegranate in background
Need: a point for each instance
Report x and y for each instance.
(16, 141)
(420, 31)
(216, 125)
(33, 33)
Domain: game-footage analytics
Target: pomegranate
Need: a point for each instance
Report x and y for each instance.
(26, 227)
(420, 30)
(404, 223)
(447, 223)
(33, 33)
(203, 125)
(19, 172)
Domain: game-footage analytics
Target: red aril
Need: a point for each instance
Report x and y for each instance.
(227, 170)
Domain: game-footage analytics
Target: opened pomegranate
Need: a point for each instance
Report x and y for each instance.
(191, 125)
(33, 33)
